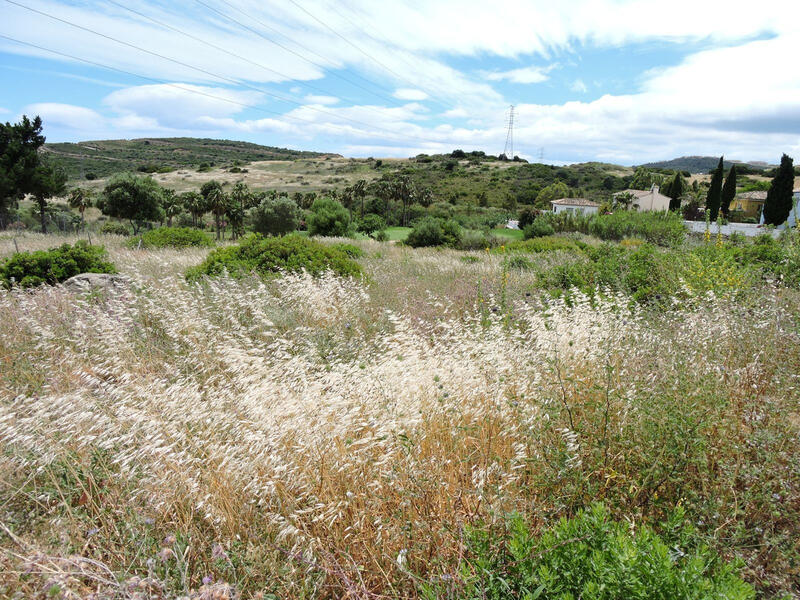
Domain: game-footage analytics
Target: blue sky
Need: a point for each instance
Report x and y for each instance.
(624, 81)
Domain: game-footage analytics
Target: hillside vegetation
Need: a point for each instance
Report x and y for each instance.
(105, 157)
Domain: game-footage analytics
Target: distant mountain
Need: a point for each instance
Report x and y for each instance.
(105, 157)
(701, 164)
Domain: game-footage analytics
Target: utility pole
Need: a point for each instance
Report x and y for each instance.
(509, 148)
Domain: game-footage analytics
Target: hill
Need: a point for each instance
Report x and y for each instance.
(701, 164)
(105, 157)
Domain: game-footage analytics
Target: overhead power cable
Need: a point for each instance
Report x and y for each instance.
(195, 91)
(235, 55)
(295, 53)
(204, 71)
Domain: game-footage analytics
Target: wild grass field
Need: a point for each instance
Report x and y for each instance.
(303, 437)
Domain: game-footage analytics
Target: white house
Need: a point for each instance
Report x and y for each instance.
(573, 205)
(650, 199)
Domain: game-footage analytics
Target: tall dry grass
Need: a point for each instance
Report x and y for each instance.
(327, 438)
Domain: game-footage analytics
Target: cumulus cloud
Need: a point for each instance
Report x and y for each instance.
(528, 75)
(319, 99)
(410, 94)
(66, 116)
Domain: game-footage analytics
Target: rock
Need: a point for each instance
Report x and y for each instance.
(89, 281)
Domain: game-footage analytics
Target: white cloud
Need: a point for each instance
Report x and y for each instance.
(579, 86)
(532, 74)
(179, 105)
(66, 116)
(410, 94)
(324, 100)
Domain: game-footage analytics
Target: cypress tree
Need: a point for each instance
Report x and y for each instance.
(676, 189)
(714, 197)
(728, 192)
(779, 197)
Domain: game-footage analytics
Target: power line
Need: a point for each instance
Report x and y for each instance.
(192, 90)
(199, 69)
(509, 147)
(362, 29)
(362, 51)
(207, 43)
(297, 54)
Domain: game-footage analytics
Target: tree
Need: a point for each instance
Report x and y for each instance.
(554, 191)
(359, 193)
(276, 216)
(328, 218)
(728, 192)
(714, 196)
(371, 223)
(172, 204)
(47, 181)
(19, 159)
(527, 216)
(241, 200)
(80, 199)
(676, 190)
(131, 197)
(216, 201)
(195, 204)
(778, 205)
(644, 179)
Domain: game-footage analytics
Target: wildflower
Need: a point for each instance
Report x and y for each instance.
(165, 554)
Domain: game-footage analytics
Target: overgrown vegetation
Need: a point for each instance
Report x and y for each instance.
(172, 237)
(30, 269)
(273, 256)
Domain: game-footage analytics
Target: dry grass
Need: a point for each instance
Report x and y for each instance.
(297, 437)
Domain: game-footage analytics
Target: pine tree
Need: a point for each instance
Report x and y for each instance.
(677, 188)
(728, 192)
(779, 197)
(714, 197)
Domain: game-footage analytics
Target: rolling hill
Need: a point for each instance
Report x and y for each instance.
(105, 157)
(702, 164)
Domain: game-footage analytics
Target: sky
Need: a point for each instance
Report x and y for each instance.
(622, 81)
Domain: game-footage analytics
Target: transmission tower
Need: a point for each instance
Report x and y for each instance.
(508, 151)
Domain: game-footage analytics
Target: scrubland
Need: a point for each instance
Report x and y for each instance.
(324, 437)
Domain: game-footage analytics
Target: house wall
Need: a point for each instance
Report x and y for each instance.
(652, 201)
(750, 208)
(588, 210)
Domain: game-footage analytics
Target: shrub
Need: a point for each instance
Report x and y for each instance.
(477, 240)
(29, 269)
(546, 244)
(271, 256)
(592, 556)
(517, 261)
(371, 223)
(115, 228)
(434, 232)
(328, 218)
(539, 228)
(350, 250)
(663, 229)
(527, 216)
(276, 216)
(173, 237)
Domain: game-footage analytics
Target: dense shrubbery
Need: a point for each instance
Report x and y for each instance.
(276, 216)
(173, 237)
(29, 269)
(664, 229)
(434, 232)
(350, 250)
(591, 556)
(537, 228)
(269, 256)
(115, 228)
(328, 218)
(546, 244)
(477, 240)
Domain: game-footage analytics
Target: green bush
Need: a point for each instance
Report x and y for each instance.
(434, 232)
(661, 228)
(593, 557)
(478, 240)
(173, 237)
(276, 216)
(539, 228)
(115, 228)
(350, 250)
(546, 244)
(328, 218)
(29, 269)
(271, 256)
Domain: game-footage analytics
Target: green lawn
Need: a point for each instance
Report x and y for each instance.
(512, 234)
(398, 233)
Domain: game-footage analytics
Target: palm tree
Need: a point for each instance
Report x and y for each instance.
(80, 199)
(216, 200)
